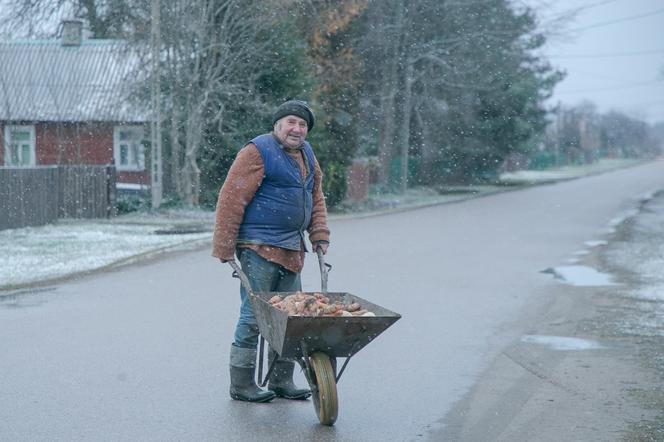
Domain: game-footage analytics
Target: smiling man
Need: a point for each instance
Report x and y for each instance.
(271, 196)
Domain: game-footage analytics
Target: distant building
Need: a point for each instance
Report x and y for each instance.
(69, 101)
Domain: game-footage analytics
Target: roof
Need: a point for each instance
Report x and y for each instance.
(42, 80)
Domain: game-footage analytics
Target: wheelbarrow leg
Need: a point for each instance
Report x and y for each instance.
(263, 381)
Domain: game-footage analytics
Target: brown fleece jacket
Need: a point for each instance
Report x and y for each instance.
(243, 180)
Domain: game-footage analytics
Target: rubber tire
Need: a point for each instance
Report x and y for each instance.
(324, 393)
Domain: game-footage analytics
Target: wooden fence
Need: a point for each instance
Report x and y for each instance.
(34, 196)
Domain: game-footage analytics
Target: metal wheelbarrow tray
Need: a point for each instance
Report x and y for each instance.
(338, 336)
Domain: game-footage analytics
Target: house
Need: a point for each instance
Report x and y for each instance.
(71, 101)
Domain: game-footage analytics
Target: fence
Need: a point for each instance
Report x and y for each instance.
(40, 195)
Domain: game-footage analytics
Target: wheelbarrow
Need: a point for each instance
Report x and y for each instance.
(315, 343)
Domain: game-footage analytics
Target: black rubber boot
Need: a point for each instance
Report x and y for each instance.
(243, 369)
(281, 380)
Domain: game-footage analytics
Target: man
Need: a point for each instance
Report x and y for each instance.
(272, 194)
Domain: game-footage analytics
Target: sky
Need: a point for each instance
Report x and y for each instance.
(613, 53)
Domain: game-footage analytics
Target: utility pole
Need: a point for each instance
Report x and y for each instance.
(405, 122)
(559, 126)
(156, 173)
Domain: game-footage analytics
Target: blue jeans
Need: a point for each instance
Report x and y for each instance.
(264, 276)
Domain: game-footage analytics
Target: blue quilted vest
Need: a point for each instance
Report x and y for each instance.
(281, 209)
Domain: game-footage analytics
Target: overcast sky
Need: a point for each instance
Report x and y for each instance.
(613, 54)
(612, 50)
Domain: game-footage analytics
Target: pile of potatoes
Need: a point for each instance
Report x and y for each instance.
(303, 304)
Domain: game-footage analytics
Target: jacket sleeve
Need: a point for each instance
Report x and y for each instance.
(318, 230)
(243, 179)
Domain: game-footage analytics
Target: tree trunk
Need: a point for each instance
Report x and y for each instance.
(386, 131)
(404, 130)
(176, 147)
(192, 173)
(386, 134)
(427, 151)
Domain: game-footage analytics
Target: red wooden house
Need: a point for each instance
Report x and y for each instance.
(70, 101)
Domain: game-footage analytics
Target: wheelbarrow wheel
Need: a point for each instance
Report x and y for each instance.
(324, 388)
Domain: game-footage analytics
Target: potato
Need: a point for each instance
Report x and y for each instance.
(316, 304)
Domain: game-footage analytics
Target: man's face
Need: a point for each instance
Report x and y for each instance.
(291, 131)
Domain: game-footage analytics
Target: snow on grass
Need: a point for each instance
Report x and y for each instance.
(34, 254)
(581, 276)
(566, 172)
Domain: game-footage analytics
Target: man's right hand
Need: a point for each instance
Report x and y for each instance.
(323, 245)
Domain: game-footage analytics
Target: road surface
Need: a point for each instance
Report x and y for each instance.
(141, 353)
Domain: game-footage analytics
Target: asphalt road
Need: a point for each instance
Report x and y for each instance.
(141, 353)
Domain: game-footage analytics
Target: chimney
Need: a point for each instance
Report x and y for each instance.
(72, 32)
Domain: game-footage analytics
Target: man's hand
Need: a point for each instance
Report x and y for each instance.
(323, 245)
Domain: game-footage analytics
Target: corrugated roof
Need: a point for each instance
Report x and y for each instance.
(45, 81)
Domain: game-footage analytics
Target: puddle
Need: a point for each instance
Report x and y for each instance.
(581, 276)
(615, 222)
(648, 196)
(576, 256)
(581, 252)
(653, 292)
(24, 298)
(562, 343)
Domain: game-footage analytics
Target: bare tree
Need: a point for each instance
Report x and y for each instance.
(42, 18)
(409, 59)
(426, 58)
(212, 60)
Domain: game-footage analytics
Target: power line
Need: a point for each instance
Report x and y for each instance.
(595, 5)
(600, 75)
(625, 86)
(608, 55)
(619, 20)
(650, 103)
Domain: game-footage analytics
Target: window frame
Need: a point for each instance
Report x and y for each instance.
(7, 141)
(137, 161)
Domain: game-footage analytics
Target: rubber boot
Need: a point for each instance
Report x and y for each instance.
(281, 380)
(243, 369)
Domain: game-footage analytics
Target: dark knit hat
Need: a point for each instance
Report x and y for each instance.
(297, 108)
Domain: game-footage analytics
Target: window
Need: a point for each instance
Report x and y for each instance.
(20, 146)
(128, 150)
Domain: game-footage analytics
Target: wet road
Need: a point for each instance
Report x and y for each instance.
(141, 353)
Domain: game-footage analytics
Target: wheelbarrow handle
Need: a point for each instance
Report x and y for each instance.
(238, 273)
(324, 269)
